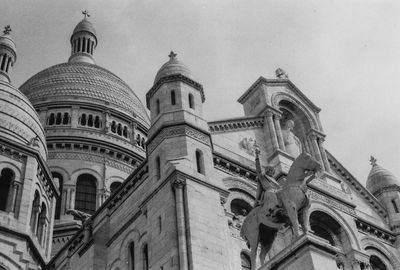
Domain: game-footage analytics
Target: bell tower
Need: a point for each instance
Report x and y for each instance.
(179, 152)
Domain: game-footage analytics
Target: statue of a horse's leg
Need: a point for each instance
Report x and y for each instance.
(291, 210)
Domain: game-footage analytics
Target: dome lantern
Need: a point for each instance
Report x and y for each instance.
(8, 54)
(83, 41)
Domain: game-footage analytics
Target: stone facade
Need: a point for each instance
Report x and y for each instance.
(186, 184)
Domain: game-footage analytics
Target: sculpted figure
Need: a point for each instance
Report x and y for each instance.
(82, 216)
(292, 143)
(278, 206)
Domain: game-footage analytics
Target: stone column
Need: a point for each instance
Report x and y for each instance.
(270, 123)
(36, 210)
(74, 116)
(72, 203)
(178, 186)
(317, 153)
(63, 203)
(323, 153)
(133, 133)
(14, 196)
(279, 132)
(1, 59)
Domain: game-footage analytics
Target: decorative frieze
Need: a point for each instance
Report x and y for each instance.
(233, 168)
(331, 202)
(374, 231)
(236, 124)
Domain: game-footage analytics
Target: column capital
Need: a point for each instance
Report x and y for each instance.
(178, 183)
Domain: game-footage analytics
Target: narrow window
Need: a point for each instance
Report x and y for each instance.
(79, 45)
(83, 120)
(396, 209)
(51, 119)
(88, 46)
(65, 119)
(90, 120)
(199, 162)
(125, 132)
(119, 129)
(58, 119)
(172, 97)
(145, 258)
(41, 231)
(8, 64)
(83, 44)
(158, 168)
(157, 106)
(6, 178)
(3, 63)
(113, 127)
(35, 212)
(132, 256)
(97, 122)
(91, 50)
(143, 143)
(138, 139)
(191, 101)
(159, 224)
(58, 178)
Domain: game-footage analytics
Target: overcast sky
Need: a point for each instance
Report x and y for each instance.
(344, 55)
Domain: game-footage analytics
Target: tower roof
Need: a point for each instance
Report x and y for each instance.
(6, 40)
(84, 26)
(173, 67)
(380, 178)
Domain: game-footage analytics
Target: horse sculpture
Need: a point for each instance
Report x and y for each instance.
(279, 206)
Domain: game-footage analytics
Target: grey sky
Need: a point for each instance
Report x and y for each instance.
(344, 55)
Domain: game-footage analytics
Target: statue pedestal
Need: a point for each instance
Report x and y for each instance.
(308, 252)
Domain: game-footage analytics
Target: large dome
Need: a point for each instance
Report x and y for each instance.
(19, 121)
(80, 81)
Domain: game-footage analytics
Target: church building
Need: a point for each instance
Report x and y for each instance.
(91, 178)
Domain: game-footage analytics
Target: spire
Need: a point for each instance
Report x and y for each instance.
(8, 54)
(83, 41)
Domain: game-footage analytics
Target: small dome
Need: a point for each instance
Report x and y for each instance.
(19, 121)
(84, 25)
(173, 67)
(5, 40)
(379, 178)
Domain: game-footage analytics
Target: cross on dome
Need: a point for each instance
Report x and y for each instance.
(172, 55)
(86, 14)
(373, 160)
(7, 30)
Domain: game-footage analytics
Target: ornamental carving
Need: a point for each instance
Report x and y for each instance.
(333, 203)
(248, 144)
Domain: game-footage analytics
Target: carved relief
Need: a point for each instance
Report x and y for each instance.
(248, 144)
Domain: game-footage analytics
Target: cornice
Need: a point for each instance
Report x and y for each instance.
(233, 167)
(368, 228)
(240, 123)
(174, 78)
(350, 179)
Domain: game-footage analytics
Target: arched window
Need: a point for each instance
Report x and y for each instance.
(158, 168)
(191, 101)
(51, 119)
(199, 162)
(85, 198)
(58, 178)
(113, 127)
(173, 97)
(132, 256)
(83, 44)
(83, 120)
(246, 263)
(143, 143)
(41, 231)
(90, 120)
(240, 207)
(65, 119)
(138, 139)
(119, 129)
(396, 209)
(125, 132)
(35, 212)
(145, 258)
(58, 119)
(8, 64)
(6, 178)
(157, 106)
(97, 122)
(376, 263)
(114, 186)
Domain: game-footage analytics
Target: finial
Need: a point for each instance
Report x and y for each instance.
(281, 74)
(172, 55)
(373, 160)
(86, 14)
(7, 30)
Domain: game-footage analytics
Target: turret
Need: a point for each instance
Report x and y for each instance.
(8, 54)
(83, 41)
(386, 188)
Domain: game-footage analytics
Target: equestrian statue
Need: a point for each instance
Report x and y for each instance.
(278, 205)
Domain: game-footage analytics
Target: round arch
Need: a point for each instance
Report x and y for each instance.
(64, 173)
(232, 183)
(374, 247)
(278, 97)
(335, 215)
(78, 172)
(14, 168)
